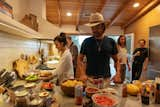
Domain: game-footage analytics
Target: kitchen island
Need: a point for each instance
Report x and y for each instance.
(65, 101)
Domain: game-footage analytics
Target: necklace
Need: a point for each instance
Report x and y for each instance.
(99, 44)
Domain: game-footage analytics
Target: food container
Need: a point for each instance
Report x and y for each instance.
(104, 100)
(68, 86)
(21, 99)
(78, 94)
(47, 86)
(148, 93)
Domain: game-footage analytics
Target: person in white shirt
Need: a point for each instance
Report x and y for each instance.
(122, 56)
(64, 70)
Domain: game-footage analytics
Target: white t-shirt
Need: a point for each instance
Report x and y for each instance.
(122, 55)
(64, 70)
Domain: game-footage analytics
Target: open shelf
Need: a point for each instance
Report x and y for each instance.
(9, 25)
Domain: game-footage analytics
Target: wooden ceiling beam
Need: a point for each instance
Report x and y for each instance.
(144, 11)
(118, 13)
(102, 6)
(80, 4)
(59, 13)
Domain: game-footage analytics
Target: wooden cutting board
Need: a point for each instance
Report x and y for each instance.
(22, 67)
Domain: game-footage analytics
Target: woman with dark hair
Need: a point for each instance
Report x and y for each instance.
(64, 69)
(122, 56)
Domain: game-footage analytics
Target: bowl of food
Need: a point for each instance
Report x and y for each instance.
(104, 100)
(44, 94)
(68, 86)
(90, 91)
(47, 86)
(45, 75)
(31, 78)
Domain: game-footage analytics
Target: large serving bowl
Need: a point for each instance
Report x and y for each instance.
(68, 86)
(104, 100)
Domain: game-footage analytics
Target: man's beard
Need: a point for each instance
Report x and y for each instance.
(97, 34)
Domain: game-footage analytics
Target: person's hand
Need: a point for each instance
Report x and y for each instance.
(138, 53)
(144, 69)
(117, 78)
(83, 77)
(129, 68)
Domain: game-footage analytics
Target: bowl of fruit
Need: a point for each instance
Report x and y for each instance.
(68, 86)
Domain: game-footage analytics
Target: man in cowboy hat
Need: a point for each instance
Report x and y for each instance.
(98, 49)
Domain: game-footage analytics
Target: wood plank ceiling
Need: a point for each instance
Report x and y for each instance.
(116, 12)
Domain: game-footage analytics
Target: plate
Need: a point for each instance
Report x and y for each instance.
(19, 83)
(21, 93)
(29, 85)
(43, 94)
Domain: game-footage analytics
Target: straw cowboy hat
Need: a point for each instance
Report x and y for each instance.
(95, 19)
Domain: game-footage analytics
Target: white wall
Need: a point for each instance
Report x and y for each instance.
(48, 29)
(141, 27)
(38, 7)
(12, 46)
(20, 8)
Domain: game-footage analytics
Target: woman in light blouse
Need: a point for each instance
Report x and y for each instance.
(64, 70)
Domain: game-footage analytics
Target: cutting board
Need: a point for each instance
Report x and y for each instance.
(22, 67)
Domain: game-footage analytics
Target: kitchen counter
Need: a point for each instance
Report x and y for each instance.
(130, 101)
(65, 101)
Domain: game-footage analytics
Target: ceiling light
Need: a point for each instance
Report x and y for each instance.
(136, 4)
(69, 14)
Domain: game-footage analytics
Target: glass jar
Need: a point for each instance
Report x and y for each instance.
(21, 98)
(21, 101)
(78, 94)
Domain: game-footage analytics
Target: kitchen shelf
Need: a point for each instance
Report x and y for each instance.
(9, 25)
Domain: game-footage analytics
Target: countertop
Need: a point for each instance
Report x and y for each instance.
(130, 101)
(65, 101)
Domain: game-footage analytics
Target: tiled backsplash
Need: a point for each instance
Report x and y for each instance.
(12, 46)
